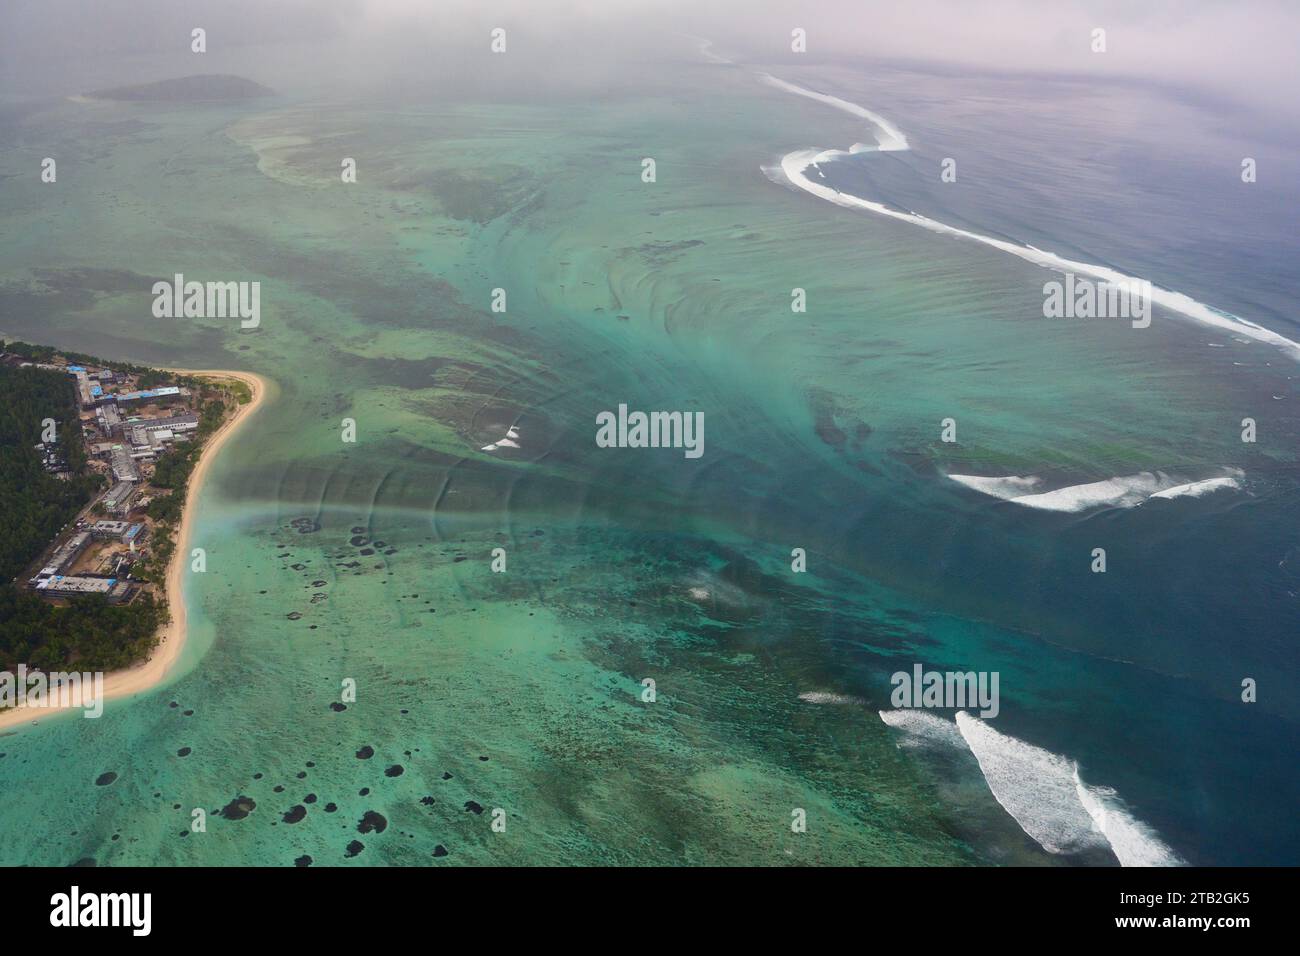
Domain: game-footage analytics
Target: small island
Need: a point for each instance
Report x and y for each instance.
(201, 88)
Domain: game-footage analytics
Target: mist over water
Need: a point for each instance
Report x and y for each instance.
(523, 690)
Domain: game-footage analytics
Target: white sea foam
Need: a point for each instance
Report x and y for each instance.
(1132, 841)
(1010, 486)
(1041, 790)
(922, 729)
(705, 48)
(507, 442)
(828, 697)
(1034, 785)
(775, 174)
(1195, 489)
(1123, 491)
(889, 138)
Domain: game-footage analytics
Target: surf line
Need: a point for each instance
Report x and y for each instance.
(1040, 790)
(795, 166)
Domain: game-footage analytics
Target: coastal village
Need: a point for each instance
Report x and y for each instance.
(124, 428)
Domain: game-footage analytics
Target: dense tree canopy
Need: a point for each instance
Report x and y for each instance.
(88, 633)
(34, 504)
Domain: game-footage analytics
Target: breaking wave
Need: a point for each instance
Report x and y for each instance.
(795, 167)
(1132, 841)
(1124, 491)
(1040, 790)
(1034, 785)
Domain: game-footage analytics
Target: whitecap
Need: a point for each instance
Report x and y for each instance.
(1122, 491)
(1034, 785)
(828, 697)
(1010, 486)
(888, 136)
(1194, 489)
(1045, 795)
(508, 442)
(1132, 841)
(922, 729)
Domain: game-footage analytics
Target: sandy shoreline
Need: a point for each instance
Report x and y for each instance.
(143, 676)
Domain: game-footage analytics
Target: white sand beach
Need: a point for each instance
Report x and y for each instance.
(143, 676)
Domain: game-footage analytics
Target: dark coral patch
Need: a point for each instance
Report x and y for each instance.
(239, 808)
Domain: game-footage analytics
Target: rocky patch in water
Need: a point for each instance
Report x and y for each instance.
(238, 808)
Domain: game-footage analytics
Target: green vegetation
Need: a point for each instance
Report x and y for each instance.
(146, 377)
(88, 633)
(34, 505)
(243, 394)
(47, 354)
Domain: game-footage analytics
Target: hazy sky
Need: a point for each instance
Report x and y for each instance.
(1245, 49)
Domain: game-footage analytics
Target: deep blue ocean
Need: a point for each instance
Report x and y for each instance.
(1138, 677)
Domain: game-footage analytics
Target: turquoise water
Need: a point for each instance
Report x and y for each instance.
(822, 433)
